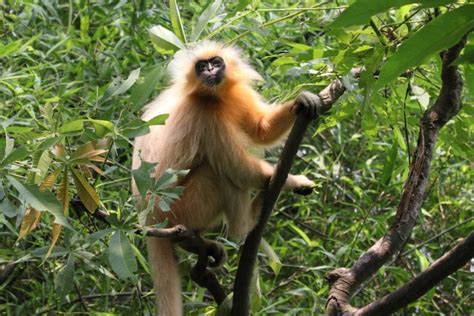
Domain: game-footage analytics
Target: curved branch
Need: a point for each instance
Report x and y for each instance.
(344, 281)
(329, 95)
(449, 263)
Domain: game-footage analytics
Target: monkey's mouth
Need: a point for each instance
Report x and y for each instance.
(212, 79)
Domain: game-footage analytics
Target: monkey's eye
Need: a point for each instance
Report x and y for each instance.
(201, 65)
(217, 61)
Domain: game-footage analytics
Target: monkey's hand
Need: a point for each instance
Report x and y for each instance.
(307, 104)
(303, 185)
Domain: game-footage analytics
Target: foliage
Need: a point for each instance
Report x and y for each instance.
(75, 76)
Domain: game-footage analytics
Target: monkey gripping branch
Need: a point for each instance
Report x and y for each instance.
(327, 97)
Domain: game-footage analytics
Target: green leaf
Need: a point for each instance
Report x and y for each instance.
(117, 89)
(142, 177)
(64, 279)
(158, 120)
(165, 39)
(204, 18)
(102, 127)
(121, 256)
(359, 12)
(40, 201)
(10, 48)
(273, 259)
(72, 127)
(176, 22)
(304, 236)
(141, 92)
(441, 33)
(42, 166)
(389, 164)
(467, 56)
(225, 308)
(16, 155)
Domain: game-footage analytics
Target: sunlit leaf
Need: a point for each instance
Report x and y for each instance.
(176, 22)
(165, 39)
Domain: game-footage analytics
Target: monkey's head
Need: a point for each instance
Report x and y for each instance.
(210, 67)
(210, 71)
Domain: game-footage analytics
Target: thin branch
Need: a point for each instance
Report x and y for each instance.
(344, 281)
(449, 263)
(240, 305)
(181, 235)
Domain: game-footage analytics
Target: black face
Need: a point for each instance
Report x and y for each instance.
(210, 71)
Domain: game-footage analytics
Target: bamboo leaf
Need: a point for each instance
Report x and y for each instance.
(439, 34)
(165, 39)
(117, 89)
(273, 259)
(359, 12)
(176, 22)
(204, 18)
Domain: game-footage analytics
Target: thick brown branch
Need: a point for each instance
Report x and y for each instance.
(345, 281)
(449, 263)
(328, 96)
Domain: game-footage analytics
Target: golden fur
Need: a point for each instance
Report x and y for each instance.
(209, 131)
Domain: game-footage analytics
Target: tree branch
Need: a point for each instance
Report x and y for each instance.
(449, 263)
(240, 305)
(344, 281)
(188, 239)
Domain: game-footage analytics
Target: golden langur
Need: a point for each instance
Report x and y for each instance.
(215, 118)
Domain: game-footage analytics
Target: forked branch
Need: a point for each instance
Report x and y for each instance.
(344, 281)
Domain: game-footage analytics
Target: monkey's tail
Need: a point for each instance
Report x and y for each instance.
(166, 279)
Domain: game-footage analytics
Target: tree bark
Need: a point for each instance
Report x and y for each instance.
(344, 281)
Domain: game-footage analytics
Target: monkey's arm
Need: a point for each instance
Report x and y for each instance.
(271, 126)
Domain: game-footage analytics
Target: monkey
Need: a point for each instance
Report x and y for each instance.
(216, 118)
